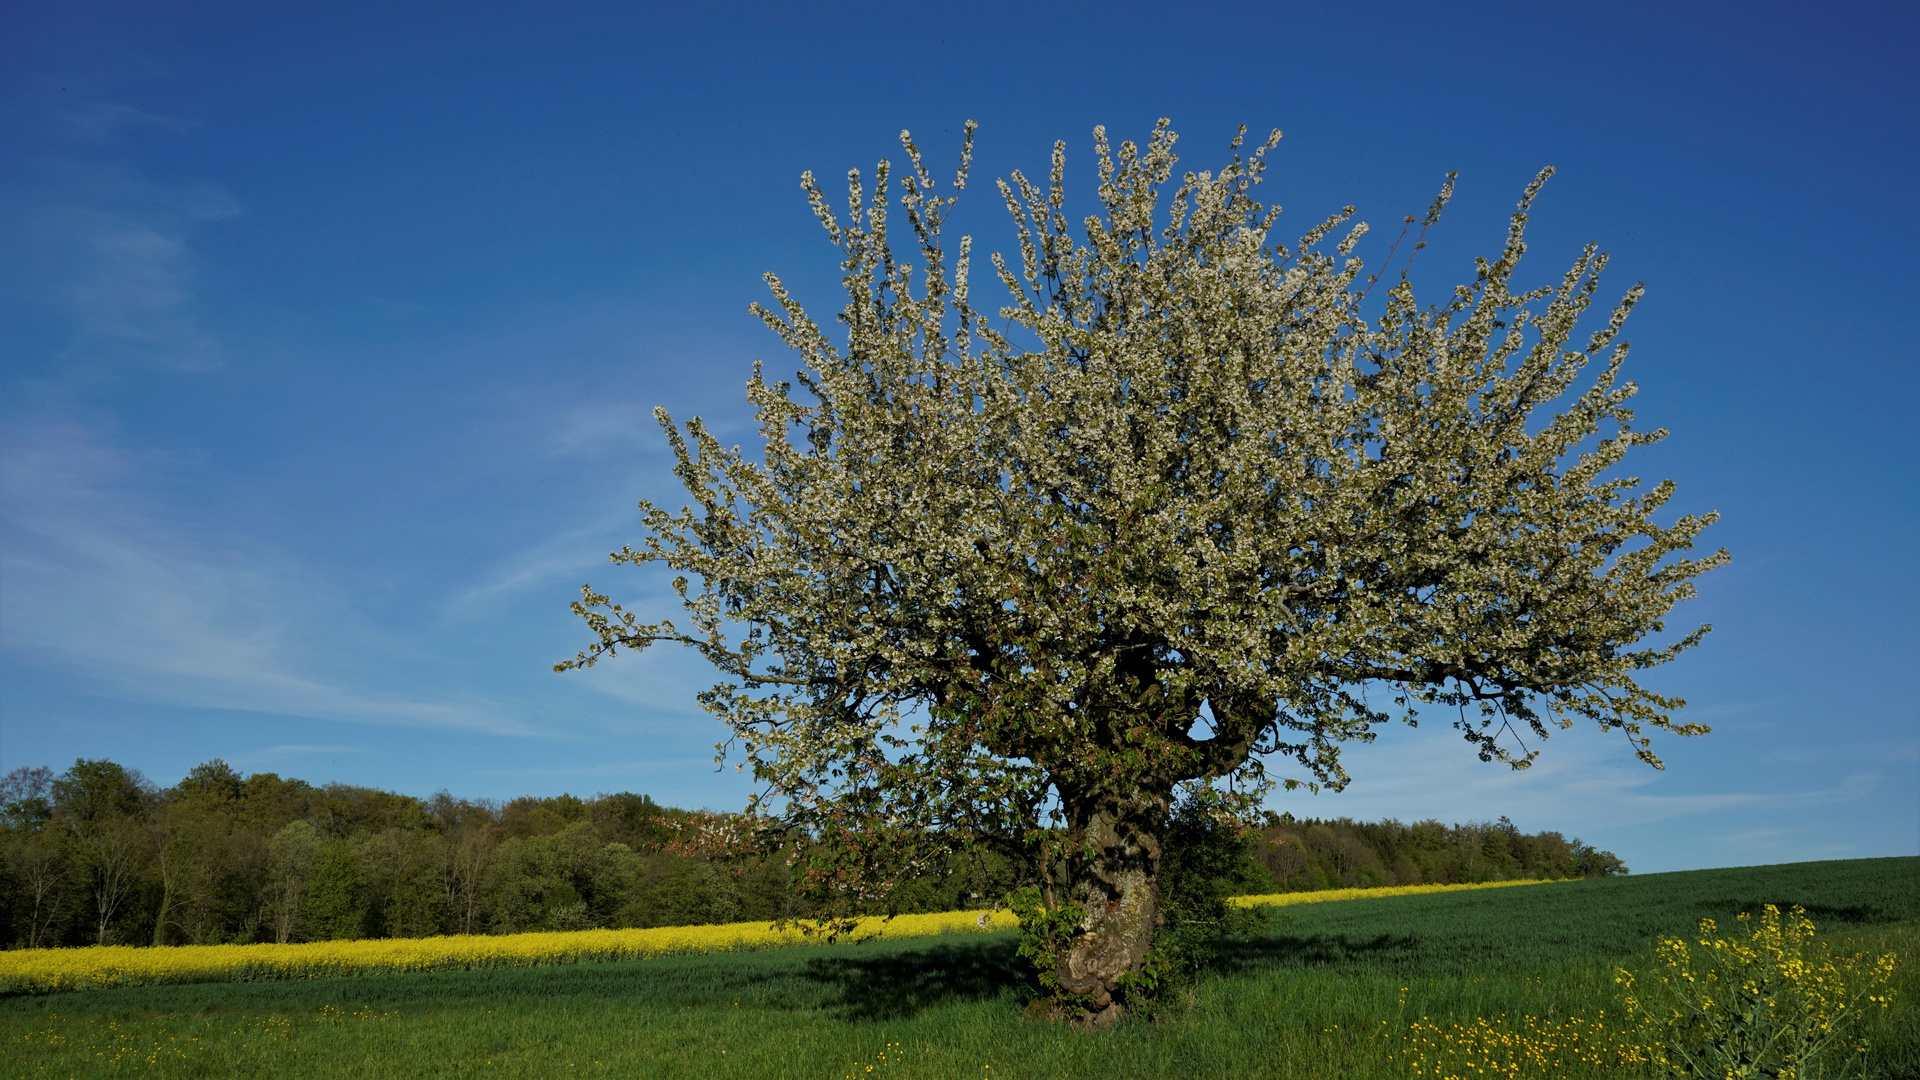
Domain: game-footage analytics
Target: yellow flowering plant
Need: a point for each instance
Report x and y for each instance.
(1775, 1003)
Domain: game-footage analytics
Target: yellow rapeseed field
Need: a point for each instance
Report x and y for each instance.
(121, 965)
(1282, 899)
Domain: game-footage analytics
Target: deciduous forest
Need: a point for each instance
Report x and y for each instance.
(98, 854)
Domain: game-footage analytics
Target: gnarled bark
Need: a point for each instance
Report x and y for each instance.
(1113, 870)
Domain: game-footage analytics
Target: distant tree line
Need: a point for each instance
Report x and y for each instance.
(99, 855)
(1309, 853)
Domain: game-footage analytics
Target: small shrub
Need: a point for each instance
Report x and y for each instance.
(1209, 861)
(1044, 931)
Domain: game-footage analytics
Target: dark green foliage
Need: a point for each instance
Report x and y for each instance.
(1307, 1000)
(634, 820)
(214, 781)
(1043, 932)
(403, 875)
(97, 791)
(1209, 858)
(334, 907)
(96, 853)
(676, 891)
(1302, 855)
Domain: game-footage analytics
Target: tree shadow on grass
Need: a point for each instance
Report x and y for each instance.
(1234, 956)
(898, 985)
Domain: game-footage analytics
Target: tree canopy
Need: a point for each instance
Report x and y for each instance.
(1185, 503)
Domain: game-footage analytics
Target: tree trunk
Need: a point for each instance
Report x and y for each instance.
(160, 921)
(1112, 873)
(169, 875)
(286, 911)
(113, 851)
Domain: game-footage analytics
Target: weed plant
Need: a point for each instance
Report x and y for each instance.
(1771, 1002)
(1335, 993)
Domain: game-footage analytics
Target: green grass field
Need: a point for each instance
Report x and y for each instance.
(1328, 994)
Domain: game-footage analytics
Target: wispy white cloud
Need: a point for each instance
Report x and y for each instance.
(125, 279)
(108, 121)
(662, 684)
(1580, 783)
(110, 250)
(595, 428)
(565, 559)
(290, 751)
(101, 583)
(611, 768)
(663, 681)
(127, 285)
(1901, 750)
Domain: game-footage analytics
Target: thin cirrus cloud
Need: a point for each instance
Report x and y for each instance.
(560, 562)
(112, 252)
(270, 755)
(1579, 782)
(551, 565)
(126, 284)
(101, 576)
(106, 122)
(661, 682)
(99, 580)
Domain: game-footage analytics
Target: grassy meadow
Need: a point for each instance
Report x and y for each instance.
(1370, 987)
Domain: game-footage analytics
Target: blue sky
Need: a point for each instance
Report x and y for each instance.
(329, 337)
